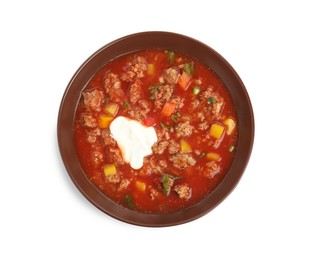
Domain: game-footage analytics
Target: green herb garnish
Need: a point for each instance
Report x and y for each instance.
(164, 126)
(231, 148)
(189, 68)
(167, 182)
(129, 201)
(170, 56)
(211, 100)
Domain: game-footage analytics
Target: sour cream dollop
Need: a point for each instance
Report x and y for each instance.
(134, 140)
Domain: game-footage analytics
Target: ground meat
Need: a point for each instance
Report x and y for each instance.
(184, 129)
(112, 86)
(171, 76)
(114, 178)
(140, 110)
(163, 95)
(93, 100)
(217, 108)
(114, 155)
(182, 160)
(107, 138)
(215, 102)
(153, 193)
(92, 135)
(135, 69)
(160, 147)
(162, 134)
(201, 116)
(97, 157)
(183, 191)
(88, 120)
(163, 163)
(135, 91)
(212, 168)
(203, 126)
(178, 101)
(111, 82)
(173, 147)
(194, 104)
(123, 184)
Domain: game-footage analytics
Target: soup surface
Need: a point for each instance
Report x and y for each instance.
(155, 131)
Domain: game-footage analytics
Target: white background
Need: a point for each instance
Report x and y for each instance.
(269, 214)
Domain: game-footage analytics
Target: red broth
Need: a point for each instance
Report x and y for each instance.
(189, 108)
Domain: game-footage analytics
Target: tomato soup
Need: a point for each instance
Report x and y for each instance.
(155, 131)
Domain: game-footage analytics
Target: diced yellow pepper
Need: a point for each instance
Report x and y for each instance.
(111, 108)
(213, 156)
(185, 147)
(150, 69)
(104, 121)
(109, 170)
(230, 125)
(140, 185)
(216, 131)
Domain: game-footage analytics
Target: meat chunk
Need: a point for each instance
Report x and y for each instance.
(93, 100)
(140, 110)
(204, 126)
(183, 191)
(214, 101)
(123, 184)
(163, 134)
(97, 157)
(182, 160)
(107, 138)
(92, 135)
(114, 155)
(163, 95)
(88, 120)
(178, 101)
(212, 168)
(153, 193)
(173, 147)
(135, 69)
(184, 129)
(171, 76)
(114, 178)
(111, 82)
(112, 86)
(160, 147)
(135, 91)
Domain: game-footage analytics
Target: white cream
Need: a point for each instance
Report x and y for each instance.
(134, 140)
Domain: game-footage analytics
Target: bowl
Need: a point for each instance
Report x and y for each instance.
(166, 41)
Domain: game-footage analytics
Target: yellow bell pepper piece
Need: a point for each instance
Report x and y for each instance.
(140, 185)
(104, 121)
(109, 170)
(216, 131)
(185, 147)
(150, 69)
(213, 156)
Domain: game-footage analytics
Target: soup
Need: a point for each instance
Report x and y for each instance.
(155, 131)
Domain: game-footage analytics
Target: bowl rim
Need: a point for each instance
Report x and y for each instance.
(135, 42)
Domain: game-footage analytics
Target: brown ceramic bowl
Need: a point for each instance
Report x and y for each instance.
(152, 40)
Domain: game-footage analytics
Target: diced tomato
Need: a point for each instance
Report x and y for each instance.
(184, 80)
(168, 109)
(149, 121)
